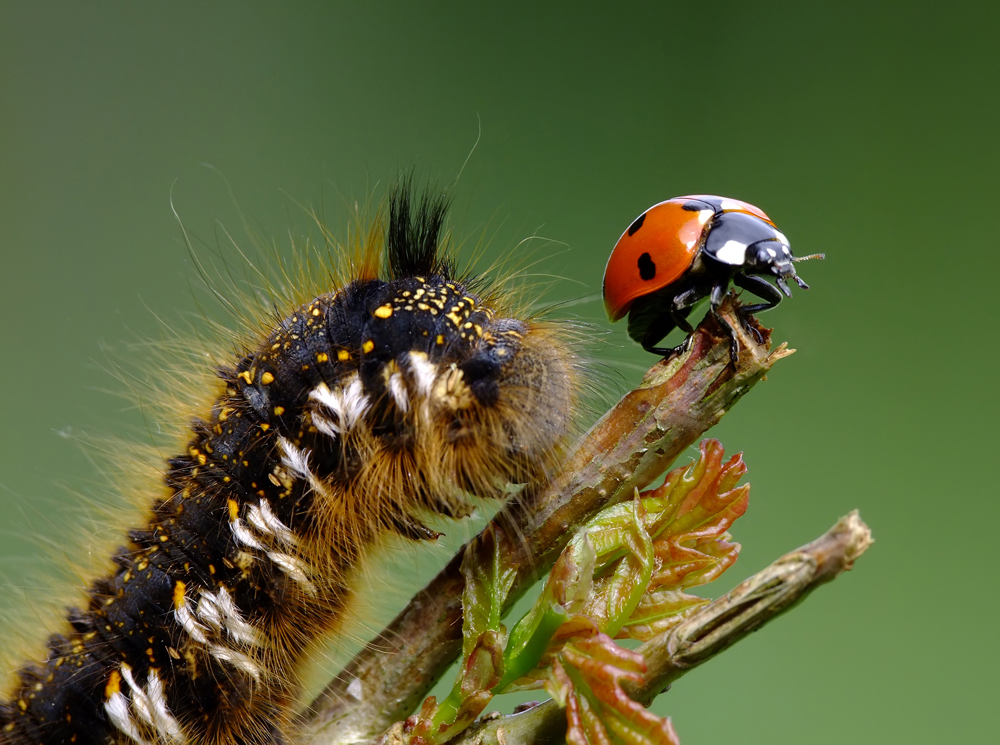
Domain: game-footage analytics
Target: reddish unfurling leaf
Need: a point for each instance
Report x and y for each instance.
(586, 677)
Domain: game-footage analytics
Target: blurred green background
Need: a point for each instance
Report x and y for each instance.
(868, 131)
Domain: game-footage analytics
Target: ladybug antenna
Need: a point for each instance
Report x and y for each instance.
(810, 256)
(796, 277)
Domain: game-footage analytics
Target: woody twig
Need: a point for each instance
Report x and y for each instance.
(677, 401)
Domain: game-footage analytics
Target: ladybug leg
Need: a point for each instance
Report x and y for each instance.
(716, 298)
(681, 307)
(759, 287)
(762, 289)
(668, 352)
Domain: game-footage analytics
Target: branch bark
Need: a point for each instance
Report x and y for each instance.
(678, 400)
(709, 631)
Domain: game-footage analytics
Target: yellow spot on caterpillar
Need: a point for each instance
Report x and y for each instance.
(468, 325)
(315, 311)
(440, 339)
(245, 375)
(224, 414)
(279, 410)
(383, 311)
(179, 588)
(264, 427)
(423, 306)
(267, 378)
(23, 705)
(343, 355)
(322, 357)
(454, 318)
(368, 346)
(234, 509)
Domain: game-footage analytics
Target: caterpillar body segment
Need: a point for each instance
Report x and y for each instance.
(396, 395)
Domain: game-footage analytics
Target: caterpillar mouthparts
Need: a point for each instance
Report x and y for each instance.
(392, 396)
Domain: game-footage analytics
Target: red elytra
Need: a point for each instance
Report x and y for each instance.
(670, 235)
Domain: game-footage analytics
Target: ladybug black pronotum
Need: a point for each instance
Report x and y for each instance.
(685, 249)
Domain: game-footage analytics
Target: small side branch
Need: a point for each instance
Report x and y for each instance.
(676, 403)
(708, 631)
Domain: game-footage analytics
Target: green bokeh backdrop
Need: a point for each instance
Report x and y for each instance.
(868, 131)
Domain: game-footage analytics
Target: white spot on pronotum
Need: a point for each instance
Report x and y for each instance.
(355, 689)
(732, 252)
(781, 237)
(705, 215)
(771, 253)
(730, 205)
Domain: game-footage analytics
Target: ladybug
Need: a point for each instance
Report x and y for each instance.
(685, 249)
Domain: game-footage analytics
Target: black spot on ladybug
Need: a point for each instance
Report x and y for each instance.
(693, 205)
(636, 225)
(647, 269)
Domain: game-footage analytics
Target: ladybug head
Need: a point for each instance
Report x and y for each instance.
(774, 257)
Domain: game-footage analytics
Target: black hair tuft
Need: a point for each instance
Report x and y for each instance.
(414, 240)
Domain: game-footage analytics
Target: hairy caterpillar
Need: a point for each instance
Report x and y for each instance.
(395, 394)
